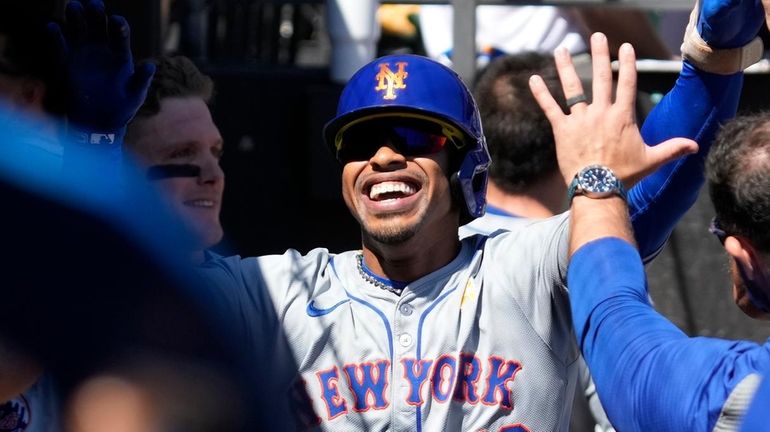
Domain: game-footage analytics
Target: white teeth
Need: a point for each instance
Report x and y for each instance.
(390, 187)
(200, 203)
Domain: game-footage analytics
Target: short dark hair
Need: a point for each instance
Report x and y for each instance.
(738, 171)
(175, 76)
(518, 134)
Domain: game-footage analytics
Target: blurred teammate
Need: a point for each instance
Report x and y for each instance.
(176, 141)
(116, 302)
(103, 91)
(525, 181)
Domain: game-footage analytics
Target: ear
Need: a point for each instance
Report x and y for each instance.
(743, 252)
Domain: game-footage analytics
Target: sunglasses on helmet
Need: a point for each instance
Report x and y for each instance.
(410, 136)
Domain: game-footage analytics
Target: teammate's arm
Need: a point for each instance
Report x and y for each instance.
(695, 108)
(104, 90)
(649, 375)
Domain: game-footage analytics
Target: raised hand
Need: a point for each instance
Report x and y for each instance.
(603, 132)
(104, 89)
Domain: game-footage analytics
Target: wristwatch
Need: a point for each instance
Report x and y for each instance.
(595, 181)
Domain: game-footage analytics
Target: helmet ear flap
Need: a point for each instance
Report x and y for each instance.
(458, 198)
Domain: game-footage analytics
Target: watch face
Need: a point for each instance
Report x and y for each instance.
(597, 179)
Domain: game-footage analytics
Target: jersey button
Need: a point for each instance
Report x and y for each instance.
(405, 340)
(406, 309)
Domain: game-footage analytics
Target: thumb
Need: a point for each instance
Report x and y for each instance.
(669, 150)
(142, 77)
(766, 6)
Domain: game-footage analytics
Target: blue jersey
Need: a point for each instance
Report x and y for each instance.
(756, 419)
(649, 374)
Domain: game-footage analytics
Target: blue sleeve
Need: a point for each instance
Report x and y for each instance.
(649, 375)
(695, 108)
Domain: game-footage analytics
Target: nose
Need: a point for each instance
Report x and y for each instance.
(211, 172)
(387, 157)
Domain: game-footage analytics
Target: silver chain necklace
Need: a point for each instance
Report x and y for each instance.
(374, 281)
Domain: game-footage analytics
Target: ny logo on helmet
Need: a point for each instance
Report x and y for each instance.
(388, 80)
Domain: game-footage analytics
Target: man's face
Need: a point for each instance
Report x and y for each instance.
(394, 196)
(183, 133)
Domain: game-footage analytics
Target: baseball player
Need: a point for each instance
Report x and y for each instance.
(174, 138)
(649, 374)
(417, 331)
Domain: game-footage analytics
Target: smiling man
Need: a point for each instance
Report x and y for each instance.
(174, 137)
(419, 330)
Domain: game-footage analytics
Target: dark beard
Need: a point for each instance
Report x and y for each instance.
(393, 238)
(393, 235)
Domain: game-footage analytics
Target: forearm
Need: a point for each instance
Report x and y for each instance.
(592, 219)
(695, 108)
(648, 373)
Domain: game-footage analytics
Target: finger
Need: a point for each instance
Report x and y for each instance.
(626, 95)
(766, 6)
(58, 44)
(76, 22)
(120, 37)
(142, 78)
(546, 101)
(570, 82)
(96, 21)
(669, 150)
(602, 71)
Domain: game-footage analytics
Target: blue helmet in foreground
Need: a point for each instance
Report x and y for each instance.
(416, 87)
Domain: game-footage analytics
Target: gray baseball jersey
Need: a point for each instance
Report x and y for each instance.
(484, 343)
(496, 219)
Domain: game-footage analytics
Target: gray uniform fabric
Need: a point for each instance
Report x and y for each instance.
(497, 220)
(486, 340)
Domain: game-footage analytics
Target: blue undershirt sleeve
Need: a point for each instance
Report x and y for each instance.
(649, 375)
(695, 108)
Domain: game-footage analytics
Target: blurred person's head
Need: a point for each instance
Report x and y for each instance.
(738, 170)
(518, 134)
(175, 138)
(29, 79)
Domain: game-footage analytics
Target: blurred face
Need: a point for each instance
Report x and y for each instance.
(181, 146)
(22, 94)
(392, 195)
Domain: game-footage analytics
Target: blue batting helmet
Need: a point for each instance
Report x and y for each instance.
(416, 87)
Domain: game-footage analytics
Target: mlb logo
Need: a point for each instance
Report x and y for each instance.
(102, 138)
